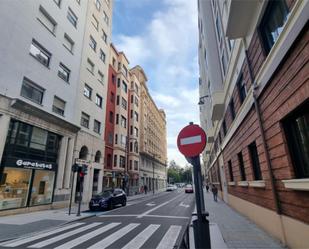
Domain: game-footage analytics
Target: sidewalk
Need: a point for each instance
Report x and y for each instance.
(13, 226)
(237, 231)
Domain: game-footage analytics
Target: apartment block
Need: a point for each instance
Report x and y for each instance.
(41, 49)
(259, 154)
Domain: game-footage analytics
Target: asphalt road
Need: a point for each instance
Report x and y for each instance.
(157, 222)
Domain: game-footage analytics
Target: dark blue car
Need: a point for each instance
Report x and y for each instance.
(108, 199)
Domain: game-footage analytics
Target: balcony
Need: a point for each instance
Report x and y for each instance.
(217, 107)
(240, 14)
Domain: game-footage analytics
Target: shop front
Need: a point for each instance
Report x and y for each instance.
(28, 167)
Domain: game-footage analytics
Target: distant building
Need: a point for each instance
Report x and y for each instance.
(254, 75)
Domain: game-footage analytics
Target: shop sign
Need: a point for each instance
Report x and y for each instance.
(34, 165)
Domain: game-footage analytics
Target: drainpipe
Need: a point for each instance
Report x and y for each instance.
(265, 147)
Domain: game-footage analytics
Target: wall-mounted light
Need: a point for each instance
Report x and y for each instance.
(201, 102)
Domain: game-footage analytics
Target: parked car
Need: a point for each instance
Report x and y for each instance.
(171, 187)
(108, 199)
(189, 188)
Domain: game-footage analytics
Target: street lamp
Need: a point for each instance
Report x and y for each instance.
(201, 101)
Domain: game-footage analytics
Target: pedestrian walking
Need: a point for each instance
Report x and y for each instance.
(214, 190)
(145, 189)
(207, 188)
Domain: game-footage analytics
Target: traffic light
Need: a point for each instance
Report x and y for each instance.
(75, 168)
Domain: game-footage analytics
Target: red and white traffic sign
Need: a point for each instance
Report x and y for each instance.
(191, 140)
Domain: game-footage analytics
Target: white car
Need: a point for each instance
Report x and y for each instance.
(171, 187)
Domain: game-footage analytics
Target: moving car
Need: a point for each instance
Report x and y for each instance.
(189, 188)
(108, 199)
(171, 187)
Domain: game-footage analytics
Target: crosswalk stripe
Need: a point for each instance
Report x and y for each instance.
(87, 236)
(140, 239)
(21, 241)
(170, 238)
(113, 237)
(64, 235)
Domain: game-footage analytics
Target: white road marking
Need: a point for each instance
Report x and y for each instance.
(114, 237)
(170, 238)
(153, 209)
(64, 235)
(143, 236)
(184, 205)
(191, 140)
(118, 215)
(20, 241)
(150, 204)
(167, 216)
(87, 236)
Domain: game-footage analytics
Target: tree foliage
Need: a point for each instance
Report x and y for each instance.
(175, 173)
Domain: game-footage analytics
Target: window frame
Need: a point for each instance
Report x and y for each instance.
(90, 91)
(88, 120)
(65, 69)
(42, 50)
(100, 98)
(96, 122)
(255, 162)
(35, 86)
(72, 17)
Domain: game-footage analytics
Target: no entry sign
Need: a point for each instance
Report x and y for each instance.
(191, 140)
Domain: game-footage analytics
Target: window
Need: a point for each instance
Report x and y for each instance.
(87, 91)
(257, 175)
(98, 156)
(113, 79)
(98, 4)
(124, 87)
(136, 88)
(85, 120)
(68, 43)
(122, 162)
(105, 17)
(40, 53)
(114, 62)
(100, 77)
(131, 146)
(136, 101)
(230, 171)
(123, 122)
(58, 106)
(123, 140)
(98, 100)
(95, 22)
(78, 1)
(97, 126)
(90, 66)
(116, 138)
(241, 87)
(115, 160)
(58, 2)
(93, 43)
(296, 128)
(241, 167)
(117, 101)
(47, 21)
(136, 116)
(232, 109)
(118, 82)
(32, 91)
(72, 17)
(112, 98)
(136, 147)
(111, 117)
(124, 70)
(131, 165)
(224, 127)
(135, 165)
(135, 132)
(102, 55)
(124, 103)
(117, 118)
(272, 23)
(131, 130)
(104, 37)
(64, 72)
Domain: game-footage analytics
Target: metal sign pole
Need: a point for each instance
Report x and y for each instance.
(201, 225)
(70, 205)
(80, 196)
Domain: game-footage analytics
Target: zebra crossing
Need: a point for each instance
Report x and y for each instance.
(95, 235)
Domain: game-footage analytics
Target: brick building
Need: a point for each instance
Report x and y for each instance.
(259, 154)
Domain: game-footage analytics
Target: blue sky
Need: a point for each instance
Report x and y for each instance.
(162, 37)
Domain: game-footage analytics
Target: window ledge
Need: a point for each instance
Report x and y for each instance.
(243, 184)
(231, 183)
(257, 184)
(297, 184)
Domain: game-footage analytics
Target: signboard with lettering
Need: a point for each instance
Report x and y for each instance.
(29, 164)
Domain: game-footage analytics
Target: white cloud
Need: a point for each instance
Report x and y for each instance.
(167, 50)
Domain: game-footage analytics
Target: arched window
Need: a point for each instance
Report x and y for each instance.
(83, 153)
(97, 156)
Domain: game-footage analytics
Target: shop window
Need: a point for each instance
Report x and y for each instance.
(83, 153)
(38, 139)
(14, 188)
(42, 188)
(273, 22)
(296, 128)
(257, 175)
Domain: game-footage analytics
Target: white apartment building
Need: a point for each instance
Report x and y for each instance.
(41, 45)
(91, 97)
